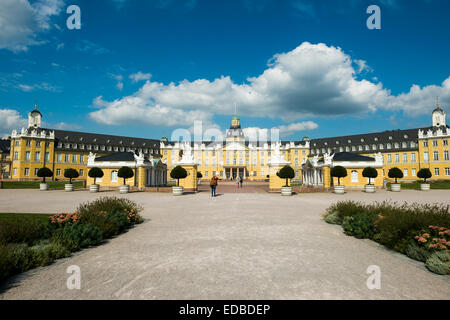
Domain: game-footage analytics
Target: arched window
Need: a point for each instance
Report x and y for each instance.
(354, 176)
(114, 176)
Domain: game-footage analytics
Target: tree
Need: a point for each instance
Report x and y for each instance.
(125, 173)
(199, 175)
(370, 173)
(338, 172)
(95, 173)
(178, 173)
(395, 173)
(286, 173)
(424, 174)
(44, 173)
(71, 174)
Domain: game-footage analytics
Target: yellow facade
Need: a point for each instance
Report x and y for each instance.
(107, 179)
(190, 182)
(355, 179)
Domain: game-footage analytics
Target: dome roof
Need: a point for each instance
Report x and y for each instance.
(438, 110)
(36, 111)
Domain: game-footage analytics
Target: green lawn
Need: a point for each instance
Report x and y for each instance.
(55, 185)
(42, 217)
(444, 184)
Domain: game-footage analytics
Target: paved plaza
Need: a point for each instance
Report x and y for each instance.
(235, 246)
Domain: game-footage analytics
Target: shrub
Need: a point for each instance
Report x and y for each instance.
(178, 173)
(44, 173)
(416, 252)
(107, 204)
(21, 230)
(199, 175)
(15, 258)
(338, 172)
(77, 236)
(360, 225)
(95, 173)
(399, 224)
(71, 174)
(125, 173)
(370, 173)
(346, 208)
(333, 218)
(286, 173)
(434, 238)
(395, 173)
(439, 262)
(424, 174)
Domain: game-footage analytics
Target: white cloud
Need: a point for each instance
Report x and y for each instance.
(38, 86)
(290, 129)
(10, 120)
(21, 22)
(311, 80)
(87, 46)
(139, 76)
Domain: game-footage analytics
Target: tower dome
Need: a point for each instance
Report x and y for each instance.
(438, 116)
(34, 118)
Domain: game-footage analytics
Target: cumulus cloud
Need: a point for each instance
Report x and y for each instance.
(313, 80)
(139, 76)
(22, 22)
(10, 120)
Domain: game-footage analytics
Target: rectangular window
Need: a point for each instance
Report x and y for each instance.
(405, 157)
(17, 143)
(15, 172)
(445, 143)
(389, 158)
(436, 155)
(27, 172)
(58, 157)
(425, 144)
(405, 172)
(47, 156)
(36, 171)
(413, 157)
(81, 172)
(397, 157)
(436, 172)
(66, 158)
(435, 143)
(425, 156)
(38, 144)
(74, 158)
(58, 172)
(28, 143)
(47, 144)
(446, 157)
(37, 156)
(413, 172)
(447, 171)
(206, 173)
(16, 155)
(27, 156)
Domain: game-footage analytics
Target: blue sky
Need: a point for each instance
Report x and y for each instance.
(144, 68)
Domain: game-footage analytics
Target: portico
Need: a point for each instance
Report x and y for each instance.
(231, 172)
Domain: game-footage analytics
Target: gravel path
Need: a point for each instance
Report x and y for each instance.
(235, 246)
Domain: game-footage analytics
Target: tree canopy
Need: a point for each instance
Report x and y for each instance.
(395, 173)
(286, 173)
(338, 172)
(125, 173)
(424, 174)
(370, 173)
(178, 173)
(71, 174)
(44, 173)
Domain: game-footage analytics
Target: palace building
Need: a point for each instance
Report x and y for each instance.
(410, 150)
(35, 147)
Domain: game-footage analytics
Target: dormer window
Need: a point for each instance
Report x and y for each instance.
(81, 138)
(362, 140)
(66, 137)
(376, 139)
(108, 141)
(405, 136)
(349, 141)
(390, 137)
(337, 142)
(95, 140)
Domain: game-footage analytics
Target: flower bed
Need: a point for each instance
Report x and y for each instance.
(421, 231)
(26, 243)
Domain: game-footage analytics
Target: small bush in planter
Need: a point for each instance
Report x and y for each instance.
(125, 173)
(424, 174)
(178, 173)
(286, 173)
(395, 173)
(95, 173)
(44, 173)
(370, 173)
(338, 172)
(71, 174)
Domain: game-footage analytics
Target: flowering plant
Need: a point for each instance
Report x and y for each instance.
(132, 216)
(434, 238)
(63, 219)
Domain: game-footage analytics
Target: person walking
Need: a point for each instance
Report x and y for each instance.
(237, 181)
(213, 185)
(241, 181)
